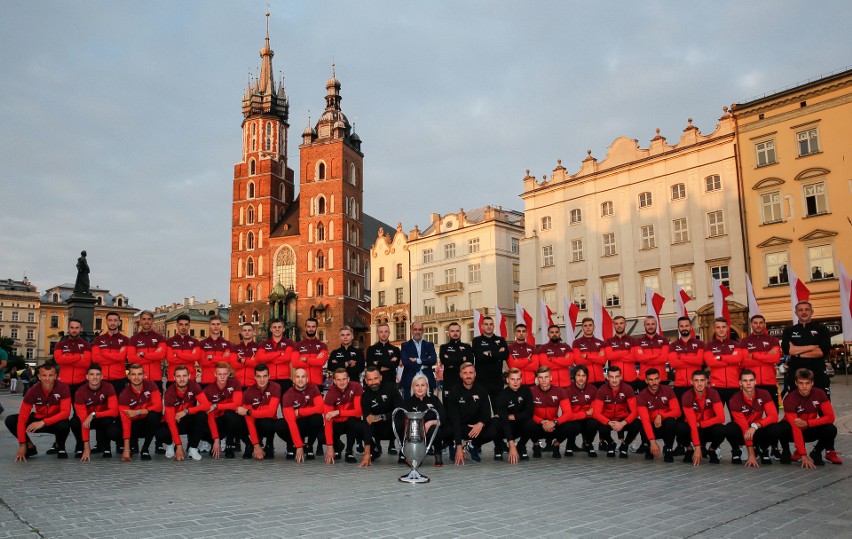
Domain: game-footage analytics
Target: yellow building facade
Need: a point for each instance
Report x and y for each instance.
(794, 161)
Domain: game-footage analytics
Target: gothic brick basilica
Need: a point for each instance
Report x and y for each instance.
(298, 256)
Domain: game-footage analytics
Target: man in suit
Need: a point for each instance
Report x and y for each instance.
(418, 355)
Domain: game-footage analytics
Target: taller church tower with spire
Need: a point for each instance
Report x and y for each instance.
(297, 257)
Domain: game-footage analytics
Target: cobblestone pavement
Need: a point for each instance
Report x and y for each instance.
(575, 497)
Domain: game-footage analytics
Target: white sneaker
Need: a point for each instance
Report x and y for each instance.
(194, 454)
(204, 446)
(170, 451)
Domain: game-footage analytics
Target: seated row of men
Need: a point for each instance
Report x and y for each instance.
(224, 412)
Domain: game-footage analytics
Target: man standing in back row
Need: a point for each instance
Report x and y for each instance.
(109, 350)
(453, 354)
(490, 352)
(384, 355)
(807, 343)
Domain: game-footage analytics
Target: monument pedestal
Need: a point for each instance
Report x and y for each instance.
(82, 307)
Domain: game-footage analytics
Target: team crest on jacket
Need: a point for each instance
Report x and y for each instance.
(815, 403)
(555, 398)
(664, 399)
(475, 398)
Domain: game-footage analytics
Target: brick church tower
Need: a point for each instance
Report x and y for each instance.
(298, 257)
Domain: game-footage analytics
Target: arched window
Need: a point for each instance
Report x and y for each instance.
(321, 205)
(320, 170)
(250, 189)
(320, 232)
(281, 192)
(250, 241)
(353, 174)
(253, 140)
(119, 302)
(242, 317)
(331, 259)
(250, 267)
(55, 297)
(285, 267)
(252, 166)
(249, 293)
(310, 288)
(320, 288)
(250, 215)
(268, 145)
(330, 286)
(320, 260)
(254, 317)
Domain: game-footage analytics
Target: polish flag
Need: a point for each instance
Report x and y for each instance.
(654, 303)
(572, 310)
(477, 323)
(681, 299)
(753, 307)
(720, 306)
(798, 291)
(603, 320)
(500, 323)
(545, 316)
(523, 317)
(845, 303)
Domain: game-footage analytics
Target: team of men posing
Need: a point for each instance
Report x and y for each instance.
(253, 392)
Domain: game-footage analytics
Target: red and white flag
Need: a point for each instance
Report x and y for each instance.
(523, 317)
(572, 310)
(845, 303)
(477, 323)
(500, 323)
(654, 303)
(753, 307)
(545, 316)
(681, 299)
(602, 318)
(798, 291)
(720, 305)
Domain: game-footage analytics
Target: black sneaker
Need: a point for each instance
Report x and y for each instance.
(816, 456)
(392, 451)
(237, 447)
(134, 450)
(229, 452)
(248, 453)
(643, 449)
(687, 456)
(268, 453)
(523, 455)
(714, 458)
(622, 451)
(160, 450)
(145, 455)
(785, 457)
(556, 453)
(309, 454)
(592, 453)
(52, 451)
(439, 459)
(766, 460)
(679, 451)
(107, 454)
(736, 459)
(498, 456)
(610, 450)
(60, 453)
(400, 459)
(668, 455)
(78, 453)
(536, 451)
(649, 455)
(359, 448)
(569, 451)
(32, 451)
(337, 455)
(350, 458)
(431, 451)
(776, 454)
(291, 454)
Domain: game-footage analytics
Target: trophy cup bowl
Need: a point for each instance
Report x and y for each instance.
(414, 446)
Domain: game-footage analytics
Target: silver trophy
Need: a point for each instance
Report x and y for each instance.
(414, 446)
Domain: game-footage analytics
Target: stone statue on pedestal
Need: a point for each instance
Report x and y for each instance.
(81, 285)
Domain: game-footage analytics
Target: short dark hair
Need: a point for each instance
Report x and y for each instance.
(541, 370)
(746, 372)
(184, 318)
(484, 318)
(181, 368)
(551, 326)
(614, 368)
(453, 324)
(651, 372)
(249, 324)
(312, 319)
(808, 303)
(276, 321)
(720, 319)
(618, 317)
(75, 320)
(587, 319)
(215, 317)
(578, 368)
(804, 374)
(260, 367)
(684, 319)
(50, 365)
(96, 367)
(699, 372)
(371, 368)
(520, 326)
(112, 313)
(135, 366)
(753, 318)
(341, 370)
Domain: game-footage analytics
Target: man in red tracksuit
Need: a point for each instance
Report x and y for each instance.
(109, 350)
(762, 355)
(277, 353)
(182, 350)
(302, 408)
(148, 348)
(703, 420)
(244, 356)
(223, 423)
(723, 358)
(311, 354)
(686, 355)
(343, 414)
(557, 356)
(755, 421)
(185, 409)
(95, 408)
(260, 408)
(140, 407)
(615, 409)
(522, 356)
(214, 350)
(651, 352)
(589, 351)
(618, 351)
(577, 413)
(658, 411)
(544, 424)
(73, 355)
(46, 408)
(808, 417)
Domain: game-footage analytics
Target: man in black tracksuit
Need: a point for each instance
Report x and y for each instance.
(514, 407)
(348, 356)
(452, 354)
(377, 404)
(384, 355)
(808, 343)
(470, 415)
(490, 351)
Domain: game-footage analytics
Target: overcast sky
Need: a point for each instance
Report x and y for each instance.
(120, 121)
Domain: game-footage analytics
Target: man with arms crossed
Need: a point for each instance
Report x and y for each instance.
(311, 354)
(686, 355)
(109, 350)
(243, 356)
(807, 343)
(619, 351)
(148, 349)
(651, 352)
(557, 356)
(182, 350)
(140, 407)
(522, 356)
(490, 352)
(377, 404)
(453, 354)
(384, 355)
(277, 353)
(723, 358)
(46, 408)
(95, 408)
(73, 355)
(348, 356)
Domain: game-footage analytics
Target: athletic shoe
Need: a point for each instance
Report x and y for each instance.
(32, 451)
(52, 451)
(536, 451)
(248, 453)
(643, 448)
(439, 459)
(291, 454)
(610, 450)
(668, 455)
(649, 455)
(817, 457)
(160, 450)
(229, 452)
(832, 457)
(592, 453)
(766, 460)
(78, 453)
(785, 457)
(337, 455)
(204, 446)
(556, 453)
(431, 451)
(145, 455)
(392, 450)
(107, 454)
(474, 453)
(400, 459)
(309, 454)
(687, 456)
(268, 453)
(569, 452)
(523, 455)
(736, 459)
(170, 451)
(193, 454)
(60, 453)
(679, 451)
(622, 451)
(359, 448)
(775, 453)
(714, 458)
(350, 458)
(498, 456)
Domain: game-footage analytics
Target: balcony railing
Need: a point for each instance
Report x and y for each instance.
(457, 286)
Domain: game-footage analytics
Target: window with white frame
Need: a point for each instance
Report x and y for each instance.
(449, 275)
(428, 281)
(821, 261)
(30, 353)
(612, 297)
(450, 250)
(430, 334)
(546, 223)
(381, 274)
(652, 281)
(576, 216)
(680, 230)
(816, 202)
(770, 207)
(31, 316)
(683, 277)
(716, 223)
(547, 256)
(473, 245)
(649, 237)
(516, 273)
(15, 316)
(474, 273)
(548, 295)
(609, 244)
(776, 268)
(399, 271)
(576, 250)
(381, 298)
(645, 199)
(678, 191)
(713, 183)
(765, 153)
(429, 306)
(808, 142)
(14, 334)
(450, 303)
(721, 274)
(427, 256)
(31, 333)
(516, 246)
(474, 300)
(606, 209)
(399, 297)
(578, 295)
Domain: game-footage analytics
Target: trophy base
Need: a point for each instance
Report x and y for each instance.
(414, 477)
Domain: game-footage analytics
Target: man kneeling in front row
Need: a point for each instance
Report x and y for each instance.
(46, 408)
(808, 417)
